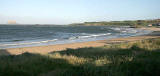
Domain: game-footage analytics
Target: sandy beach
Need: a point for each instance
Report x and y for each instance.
(59, 47)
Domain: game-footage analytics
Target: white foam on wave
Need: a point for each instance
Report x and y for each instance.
(132, 31)
(15, 44)
(71, 38)
(126, 30)
(88, 36)
(49, 40)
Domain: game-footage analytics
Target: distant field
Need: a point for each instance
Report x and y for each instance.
(133, 23)
(140, 58)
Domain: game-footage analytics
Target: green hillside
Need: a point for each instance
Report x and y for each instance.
(135, 23)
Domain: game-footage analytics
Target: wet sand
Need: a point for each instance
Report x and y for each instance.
(60, 47)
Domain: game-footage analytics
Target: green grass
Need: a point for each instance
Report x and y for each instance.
(133, 23)
(140, 58)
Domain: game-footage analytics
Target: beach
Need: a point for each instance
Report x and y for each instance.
(60, 47)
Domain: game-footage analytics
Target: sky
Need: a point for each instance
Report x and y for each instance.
(76, 11)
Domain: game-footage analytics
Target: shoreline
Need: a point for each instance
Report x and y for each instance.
(59, 47)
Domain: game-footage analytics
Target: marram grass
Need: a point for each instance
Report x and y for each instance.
(140, 58)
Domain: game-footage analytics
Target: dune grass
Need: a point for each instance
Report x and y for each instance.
(140, 58)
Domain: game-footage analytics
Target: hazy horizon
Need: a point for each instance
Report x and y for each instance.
(76, 11)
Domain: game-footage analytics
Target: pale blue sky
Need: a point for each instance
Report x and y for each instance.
(73, 11)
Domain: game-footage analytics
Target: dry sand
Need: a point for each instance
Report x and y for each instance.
(51, 48)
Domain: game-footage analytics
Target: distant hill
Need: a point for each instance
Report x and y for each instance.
(121, 23)
(12, 22)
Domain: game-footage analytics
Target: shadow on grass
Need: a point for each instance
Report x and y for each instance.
(28, 64)
(4, 52)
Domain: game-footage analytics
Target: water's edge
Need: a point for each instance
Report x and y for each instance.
(91, 37)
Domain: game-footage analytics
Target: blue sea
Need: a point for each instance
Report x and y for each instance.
(16, 36)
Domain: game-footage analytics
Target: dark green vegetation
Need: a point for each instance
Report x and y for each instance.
(141, 58)
(136, 23)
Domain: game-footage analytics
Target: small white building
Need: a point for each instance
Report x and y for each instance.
(150, 25)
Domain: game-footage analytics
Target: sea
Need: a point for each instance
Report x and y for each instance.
(17, 36)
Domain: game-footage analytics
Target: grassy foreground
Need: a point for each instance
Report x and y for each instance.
(141, 58)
